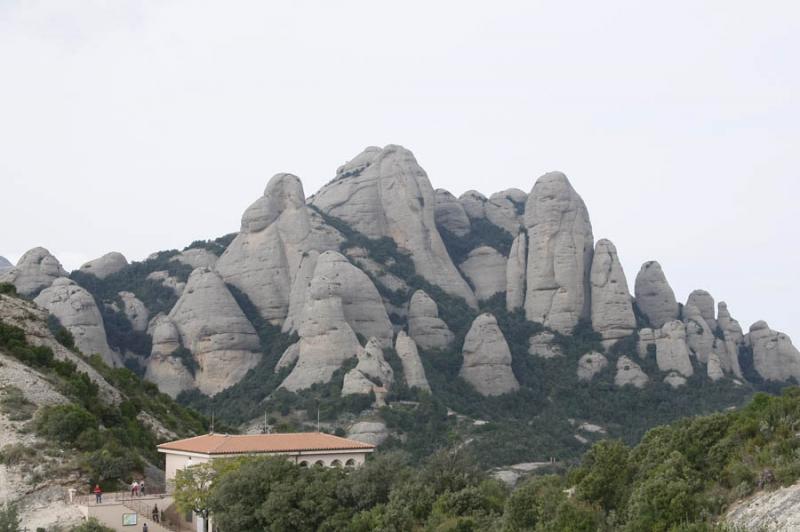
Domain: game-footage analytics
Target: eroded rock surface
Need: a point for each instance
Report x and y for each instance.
(450, 214)
(705, 305)
(560, 247)
(629, 372)
(590, 365)
(372, 371)
(485, 268)
(413, 369)
(543, 345)
(372, 432)
(135, 311)
(654, 296)
(197, 258)
(515, 272)
(106, 265)
(487, 358)
(612, 310)
(424, 324)
(35, 270)
(774, 356)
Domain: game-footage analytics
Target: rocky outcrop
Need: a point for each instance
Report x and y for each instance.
(5, 265)
(450, 214)
(385, 193)
(714, 368)
(560, 247)
(35, 270)
(590, 365)
(371, 432)
(543, 345)
(515, 273)
(630, 373)
(505, 209)
(769, 510)
(216, 331)
(196, 258)
(413, 371)
(474, 204)
(705, 304)
(361, 303)
(164, 334)
(170, 374)
(727, 347)
(164, 278)
(108, 264)
(76, 309)
(612, 310)
(289, 357)
(135, 311)
(672, 352)
(372, 371)
(485, 268)
(699, 336)
(654, 296)
(774, 356)
(424, 324)
(675, 380)
(276, 231)
(487, 358)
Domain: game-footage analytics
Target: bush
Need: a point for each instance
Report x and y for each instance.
(8, 289)
(64, 423)
(14, 404)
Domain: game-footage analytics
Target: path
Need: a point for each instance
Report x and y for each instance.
(115, 505)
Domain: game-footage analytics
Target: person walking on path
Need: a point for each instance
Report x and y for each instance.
(144, 527)
(156, 515)
(134, 489)
(98, 494)
(141, 488)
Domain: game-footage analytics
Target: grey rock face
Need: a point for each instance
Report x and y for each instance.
(450, 214)
(774, 356)
(672, 353)
(361, 303)
(169, 373)
(173, 283)
(164, 334)
(505, 209)
(727, 348)
(289, 357)
(371, 371)
(106, 265)
(5, 265)
(385, 193)
(197, 258)
(216, 331)
(487, 358)
(714, 368)
(705, 304)
(135, 311)
(424, 324)
(276, 231)
(675, 380)
(485, 268)
(654, 296)
(474, 204)
(699, 336)
(543, 345)
(35, 270)
(560, 247)
(629, 372)
(371, 432)
(77, 311)
(590, 365)
(413, 370)
(515, 273)
(612, 311)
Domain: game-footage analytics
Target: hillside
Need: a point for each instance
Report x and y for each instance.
(401, 314)
(68, 421)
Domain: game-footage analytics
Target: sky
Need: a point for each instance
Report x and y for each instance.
(142, 126)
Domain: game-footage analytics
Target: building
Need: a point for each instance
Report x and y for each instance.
(302, 448)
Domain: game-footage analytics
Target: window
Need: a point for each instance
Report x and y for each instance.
(350, 463)
(304, 463)
(336, 463)
(319, 463)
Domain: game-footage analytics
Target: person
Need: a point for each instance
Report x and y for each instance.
(141, 487)
(144, 527)
(134, 489)
(156, 515)
(98, 494)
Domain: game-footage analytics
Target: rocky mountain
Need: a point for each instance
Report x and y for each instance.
(379, 286)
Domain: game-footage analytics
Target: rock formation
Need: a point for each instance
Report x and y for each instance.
(361, 303)
(5, 265)
(35, 270)
(196, 258)
(164, 278)
(77, 311)
(560, 247)
(372, 432)
(654, 296)
(487, 358)
(424, 324)
(672, 353)
(450, 214)
(135, 311)
(106, 265)
(276, 231)
(612, 310)
(675, 379)
(385, 193)
(164, 334)
(629, 372)
(485, 268)
(543, 345)
(216, 331)
(413, 371)
(515, 273)
(590, 365)
(699, 336)
(705, 304)
(474, 204)
(714, 368)
(727, 347)
(774, 356)
(289, 357)
(505, 209)
(371, 371)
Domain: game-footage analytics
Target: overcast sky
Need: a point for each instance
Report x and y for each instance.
(141, 126)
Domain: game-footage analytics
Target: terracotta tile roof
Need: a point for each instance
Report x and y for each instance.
(264, 443)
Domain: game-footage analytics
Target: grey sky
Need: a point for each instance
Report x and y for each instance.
(141, 126)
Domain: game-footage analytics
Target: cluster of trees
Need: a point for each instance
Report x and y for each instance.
(679, 477)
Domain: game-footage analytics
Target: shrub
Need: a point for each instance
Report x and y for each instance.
(64, 423)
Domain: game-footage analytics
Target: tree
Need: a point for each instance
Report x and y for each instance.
(606, 475)
(193, 487)
(92, 525)
(9, 518)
